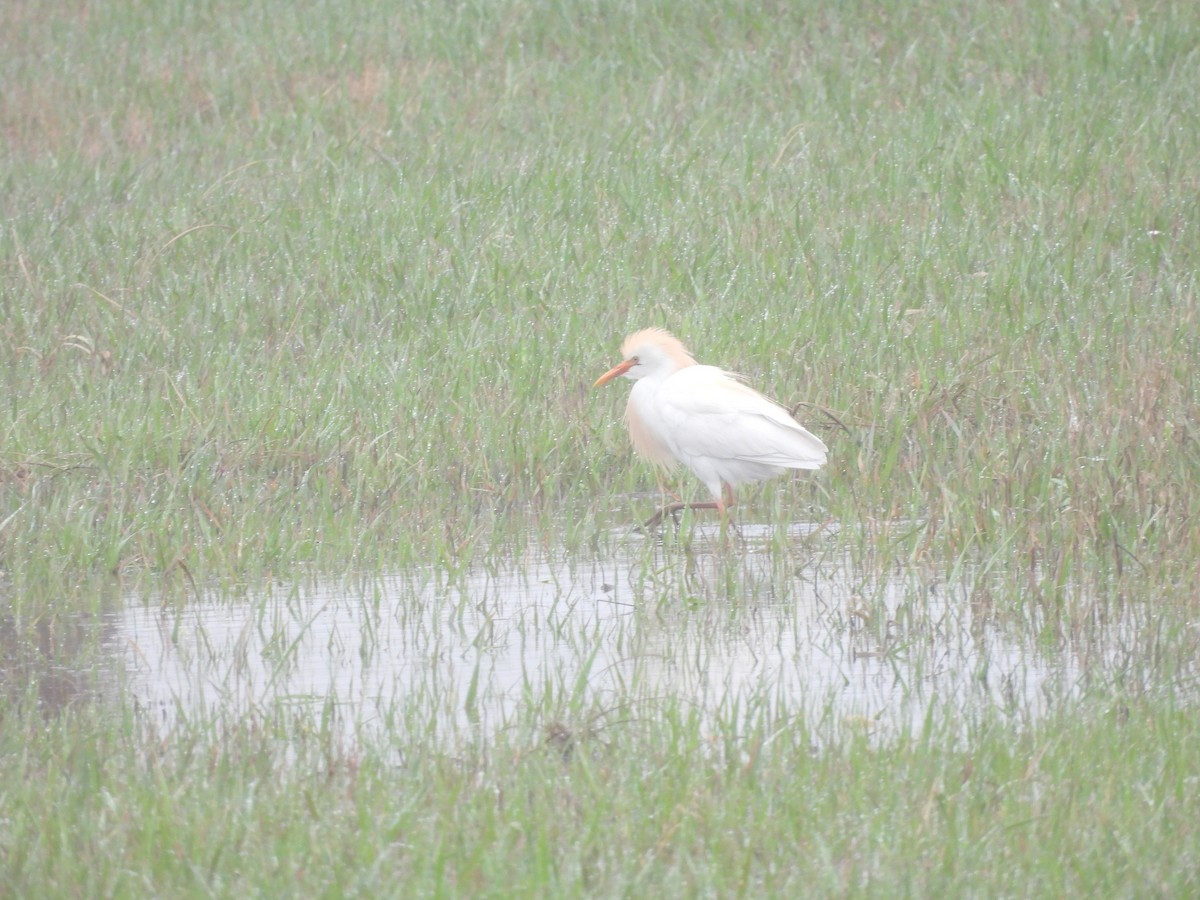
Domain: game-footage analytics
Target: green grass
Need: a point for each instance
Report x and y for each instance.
(338, 295)
(1097, 801)
(323, 288)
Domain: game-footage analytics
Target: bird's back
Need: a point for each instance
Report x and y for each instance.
(707, 413)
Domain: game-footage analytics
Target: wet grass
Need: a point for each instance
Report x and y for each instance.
(1097, 800)
(323, 289)
(337, 297)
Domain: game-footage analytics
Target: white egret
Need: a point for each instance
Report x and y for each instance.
(725, 432)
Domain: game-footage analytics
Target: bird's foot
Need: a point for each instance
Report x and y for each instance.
(672, 510)
(652, 523)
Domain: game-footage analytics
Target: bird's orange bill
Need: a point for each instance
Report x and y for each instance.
(615, 372)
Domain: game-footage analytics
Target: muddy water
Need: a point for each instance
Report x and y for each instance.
(793, 628)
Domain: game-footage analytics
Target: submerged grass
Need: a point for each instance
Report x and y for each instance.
(324, 287)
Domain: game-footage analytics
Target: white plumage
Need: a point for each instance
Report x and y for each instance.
(725, 432)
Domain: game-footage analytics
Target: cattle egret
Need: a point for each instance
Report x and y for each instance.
(723, 431)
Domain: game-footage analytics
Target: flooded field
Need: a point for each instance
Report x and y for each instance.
(790, 627)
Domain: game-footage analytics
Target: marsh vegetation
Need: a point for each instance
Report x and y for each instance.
(316, 574)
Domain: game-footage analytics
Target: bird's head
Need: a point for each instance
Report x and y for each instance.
(651, 352)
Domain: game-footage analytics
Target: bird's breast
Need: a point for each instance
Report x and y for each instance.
(645, 426)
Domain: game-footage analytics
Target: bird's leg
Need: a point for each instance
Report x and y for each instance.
(723, 505)
(663, 492)
(671, 508)
(665, 508)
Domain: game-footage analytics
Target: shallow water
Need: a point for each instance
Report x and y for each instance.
(788, 626)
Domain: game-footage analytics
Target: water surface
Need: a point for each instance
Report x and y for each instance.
(788, 624)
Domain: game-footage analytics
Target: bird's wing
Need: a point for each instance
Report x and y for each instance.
(706, 412)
